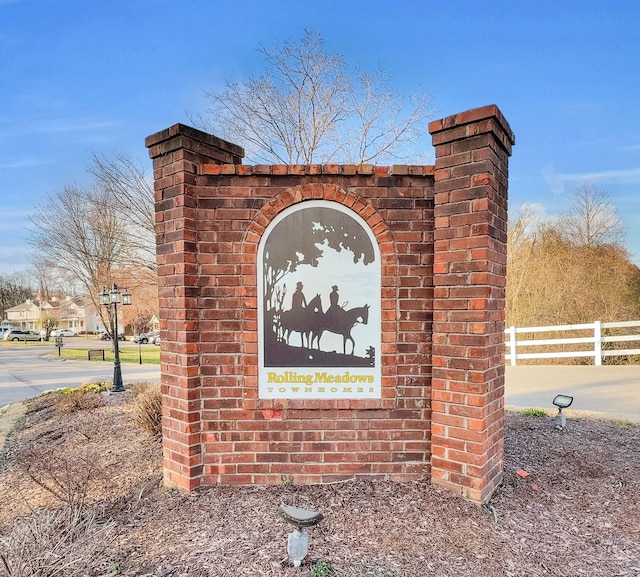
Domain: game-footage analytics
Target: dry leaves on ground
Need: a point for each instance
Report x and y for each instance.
(576, 513)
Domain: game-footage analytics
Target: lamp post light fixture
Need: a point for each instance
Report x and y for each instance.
(111, 299)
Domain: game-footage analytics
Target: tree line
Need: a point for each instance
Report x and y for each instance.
(573, 268)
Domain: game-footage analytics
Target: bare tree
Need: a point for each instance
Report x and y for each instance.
(384, 124)
(80, 234)
(592, 220)
(48, 281)
(15, 288)
(308, 107)
(132, 197)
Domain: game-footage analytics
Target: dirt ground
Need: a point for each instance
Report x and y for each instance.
(576, 513)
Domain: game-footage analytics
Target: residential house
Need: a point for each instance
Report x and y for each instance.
(26, 315)
(154, 323)
(77, 314)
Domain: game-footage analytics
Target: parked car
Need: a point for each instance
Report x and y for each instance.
(156, 340)
(107, 337)
(20, 335)
(63, 333)
(144, 338)
(4, 331)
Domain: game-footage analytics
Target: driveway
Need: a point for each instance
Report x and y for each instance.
(25, 372)
(611, 391)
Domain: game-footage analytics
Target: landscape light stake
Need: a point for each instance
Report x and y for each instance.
(562, 402)
(111, 299)
(298, 540)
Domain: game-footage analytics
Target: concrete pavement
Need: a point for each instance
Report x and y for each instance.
(610, 391)
(26, 372)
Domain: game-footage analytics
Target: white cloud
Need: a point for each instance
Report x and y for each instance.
(65, 125)
(13, 217)
(25, 162)
(557, 181)
(553, 179)
(46, 126)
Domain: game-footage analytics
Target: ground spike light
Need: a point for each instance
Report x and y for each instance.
(298, 541)
(562, 402)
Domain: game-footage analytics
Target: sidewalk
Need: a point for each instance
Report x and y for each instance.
(611, 391)
(9, 416)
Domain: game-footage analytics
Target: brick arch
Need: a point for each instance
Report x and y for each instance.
(317, 191)
(249, 251)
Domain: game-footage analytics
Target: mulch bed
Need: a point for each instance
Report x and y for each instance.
(577, 512)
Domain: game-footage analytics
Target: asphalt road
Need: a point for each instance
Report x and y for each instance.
(25, 372)
(611, 391)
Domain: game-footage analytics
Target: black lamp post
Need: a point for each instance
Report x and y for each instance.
(111, 299)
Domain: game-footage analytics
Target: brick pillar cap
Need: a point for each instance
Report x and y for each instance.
(194, 134)
(473, 116)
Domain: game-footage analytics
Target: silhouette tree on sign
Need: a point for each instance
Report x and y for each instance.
(298, 239)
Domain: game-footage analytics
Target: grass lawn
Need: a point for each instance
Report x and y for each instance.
(150, 355)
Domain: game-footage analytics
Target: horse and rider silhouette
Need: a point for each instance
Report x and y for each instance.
(311, 321)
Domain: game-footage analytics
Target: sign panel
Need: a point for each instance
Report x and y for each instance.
(319, 321)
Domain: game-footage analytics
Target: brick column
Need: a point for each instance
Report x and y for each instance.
(176, 153)
(472, 152)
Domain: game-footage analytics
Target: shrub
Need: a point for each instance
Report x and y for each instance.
(322, 569)
(67, 477)
(82, 398)
(534, 413)
(148, 408)
(55, 543)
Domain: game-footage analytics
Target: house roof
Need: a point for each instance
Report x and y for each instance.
(29, 305)
(77, 302)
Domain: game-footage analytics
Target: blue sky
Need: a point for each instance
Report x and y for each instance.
(79, 77)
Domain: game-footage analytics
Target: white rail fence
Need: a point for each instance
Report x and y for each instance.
(600, 341)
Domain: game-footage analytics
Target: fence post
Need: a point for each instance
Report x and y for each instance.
(512, 345)
(597, 343)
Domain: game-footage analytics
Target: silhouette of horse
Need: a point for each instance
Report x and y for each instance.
(340, 322)
(301, 321)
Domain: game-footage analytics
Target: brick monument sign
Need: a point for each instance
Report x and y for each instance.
(326, 322)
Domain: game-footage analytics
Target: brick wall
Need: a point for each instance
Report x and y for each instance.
(211, 212)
